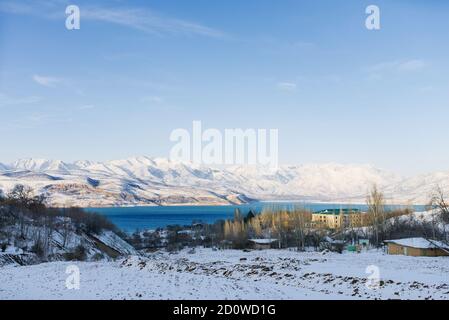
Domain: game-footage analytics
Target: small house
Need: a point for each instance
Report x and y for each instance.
(260, 244)
(417, 247)
(332, 245)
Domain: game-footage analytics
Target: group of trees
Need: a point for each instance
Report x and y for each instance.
(288, 226)
(292, 227)
(29, 223)
(385, 224)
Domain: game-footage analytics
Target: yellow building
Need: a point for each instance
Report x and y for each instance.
(417, 247)
(336, 218)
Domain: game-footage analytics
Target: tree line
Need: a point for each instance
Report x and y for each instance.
(26, 222)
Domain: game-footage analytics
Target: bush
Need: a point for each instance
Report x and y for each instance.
(89, 222)
(98, 257)
(78, 254)
(38, 248)
(21, 204)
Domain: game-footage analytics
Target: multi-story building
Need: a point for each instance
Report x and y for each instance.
(337, 218)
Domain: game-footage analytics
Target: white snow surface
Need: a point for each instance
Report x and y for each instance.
(263, 241)
(233, 274)
(158, 181)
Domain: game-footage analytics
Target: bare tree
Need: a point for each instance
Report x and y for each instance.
(299, 226)
(439, 204)
(376, 210)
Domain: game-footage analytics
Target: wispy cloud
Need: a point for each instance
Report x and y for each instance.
(300, 45)
(46, 81)
(287, 86)
(412, 65)
(6, 100)
(148, 21)
(381, 70)
(153, 99)
(86, 107)
(397, 66)
(138, 18)
(35, 120)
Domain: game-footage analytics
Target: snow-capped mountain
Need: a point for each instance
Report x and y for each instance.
(42, 165)
(3, 167)
(158, 181)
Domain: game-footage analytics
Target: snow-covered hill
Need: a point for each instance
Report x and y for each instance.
(157, 181)
(236, 275)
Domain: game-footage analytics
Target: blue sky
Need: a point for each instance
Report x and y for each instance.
(136, 70)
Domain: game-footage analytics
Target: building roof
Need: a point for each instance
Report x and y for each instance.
(334, 241)
(263, 241)
(337, 211)
(419, 243)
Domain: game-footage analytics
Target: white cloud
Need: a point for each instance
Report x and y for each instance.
(154, 99)
(86, 107)
(412, 65)
(148, 21)
(381, 70)
(303, 45)
(46, 81)
(6, 100)
(137, 18)
(397, 66)
(287, 86)
(34, 120)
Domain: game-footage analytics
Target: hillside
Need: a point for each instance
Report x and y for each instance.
(32, 234)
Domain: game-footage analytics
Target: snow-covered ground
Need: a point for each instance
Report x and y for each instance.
(233, 274)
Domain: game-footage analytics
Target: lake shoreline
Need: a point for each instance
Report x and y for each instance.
(134, 218)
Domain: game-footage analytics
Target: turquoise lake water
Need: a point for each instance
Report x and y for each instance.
(130, 219)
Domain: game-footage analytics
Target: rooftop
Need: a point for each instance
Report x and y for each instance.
(337, 211)
(419, 243)
(263, 241)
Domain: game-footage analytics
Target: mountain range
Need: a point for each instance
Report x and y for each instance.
(158, 181)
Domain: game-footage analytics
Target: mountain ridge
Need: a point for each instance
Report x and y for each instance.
(159, 181)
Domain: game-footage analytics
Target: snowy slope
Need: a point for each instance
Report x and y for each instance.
(158, 181)
(61, 240)
(233, 274)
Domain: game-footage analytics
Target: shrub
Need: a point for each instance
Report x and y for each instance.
(38, 248)
(97, 257)
(90, 222)
(78, 254)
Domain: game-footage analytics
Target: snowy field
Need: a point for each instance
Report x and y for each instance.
(233, 274)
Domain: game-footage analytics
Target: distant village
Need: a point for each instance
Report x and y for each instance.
(29, 230)
(396, 231)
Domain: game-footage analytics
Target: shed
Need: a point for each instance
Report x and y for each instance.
(417, 247)
(262, 243)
